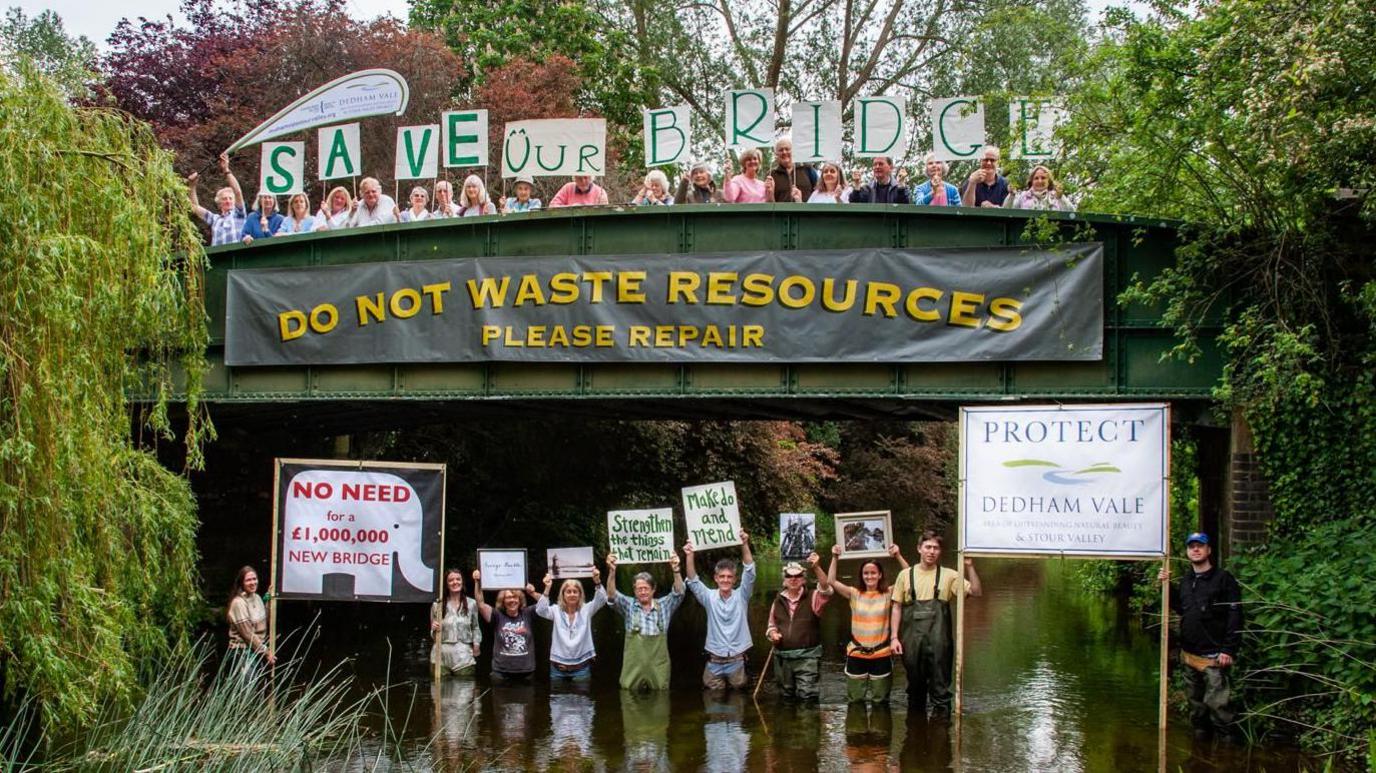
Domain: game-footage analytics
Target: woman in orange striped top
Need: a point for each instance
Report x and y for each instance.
(869, 667)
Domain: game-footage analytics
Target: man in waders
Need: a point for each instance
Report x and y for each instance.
(1209, 602)
(795, 628)
(645, 662)
(728, 631)
(923, 631)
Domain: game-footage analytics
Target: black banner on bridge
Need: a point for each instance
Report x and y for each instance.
(872, 305)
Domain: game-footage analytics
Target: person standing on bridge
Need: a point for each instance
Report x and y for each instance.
(455, 620)
(335, 210)
(986, 187)
(264, 221)
(419, 211)
(444, 201)
(884, 189)
(923, 632)
(1209, 603)
(795, 628)
(513, 631)
(582, 192)
(227, 223)
(373, 207)
(936, 192)
(791, 183)
(698, 187)
(1042, 192)
(571, 650)
(524, 200)
(728, 631)
(474, 200)
(746, 187)
(654, 191)
(645, 658)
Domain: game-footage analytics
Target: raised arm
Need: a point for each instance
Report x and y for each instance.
(897, 555)
(232, 181)
(692, 570)
(484, 608)
(196, 207)
(678, 578)
(746, 556)
(611, 577)
(837, 585)
(973, 578)
(823, 581)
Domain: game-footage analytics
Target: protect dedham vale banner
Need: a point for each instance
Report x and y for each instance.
(1074, 480)
(870, 305)
(358, 531)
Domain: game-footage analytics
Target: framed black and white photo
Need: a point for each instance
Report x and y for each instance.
(797, 535)
(566, 563)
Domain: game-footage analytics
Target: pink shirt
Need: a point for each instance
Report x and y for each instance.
(743, 190)
(569, 196)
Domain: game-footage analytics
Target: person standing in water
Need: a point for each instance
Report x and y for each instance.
(645, 658)
(921, 621)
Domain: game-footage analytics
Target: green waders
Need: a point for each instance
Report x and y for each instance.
(928, 648)
(645, 663)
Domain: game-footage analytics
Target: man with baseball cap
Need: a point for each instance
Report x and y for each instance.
(1209, 603)
(795, 628)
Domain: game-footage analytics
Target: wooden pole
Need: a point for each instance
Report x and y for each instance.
(960, 637)
(435, 635)
(272, 587)
(1162, 717)
(764, 671)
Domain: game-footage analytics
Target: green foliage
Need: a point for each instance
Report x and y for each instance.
(67, 61)
(101, 283)
(1309, 662)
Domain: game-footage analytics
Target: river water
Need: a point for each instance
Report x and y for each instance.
(1056, 680)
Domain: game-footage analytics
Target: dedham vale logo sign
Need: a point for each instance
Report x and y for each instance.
(1086, 480)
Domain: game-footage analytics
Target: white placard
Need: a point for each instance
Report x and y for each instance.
(641, 536)
(283, 168)
(1074, 480)
(797, 535)
(749, 118)
(463, 137)
(957, 128)
(668, 133)
(566, 563)
(356, 95)
(557, 147)
(816, 132)
(881, 126)
(363, 527)
(712, 514)
(418, 152)
(503, 569)
(340, 153)
(1032, 124)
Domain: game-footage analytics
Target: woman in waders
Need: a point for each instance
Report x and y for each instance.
(869, 659)
(645, 659)
(922, 629)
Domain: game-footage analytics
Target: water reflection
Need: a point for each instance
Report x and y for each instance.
(456, 717)
(569, 744)
(869, 733)
(725, 739)
(927, 744)
(645, 729)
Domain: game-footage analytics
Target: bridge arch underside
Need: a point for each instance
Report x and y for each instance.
(389, 394)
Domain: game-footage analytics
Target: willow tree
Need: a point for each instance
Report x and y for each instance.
(100, 297)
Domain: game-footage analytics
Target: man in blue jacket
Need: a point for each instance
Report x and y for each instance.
(884, 190)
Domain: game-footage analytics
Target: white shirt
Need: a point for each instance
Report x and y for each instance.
(382, 214)
(826, 197)
(571, 643)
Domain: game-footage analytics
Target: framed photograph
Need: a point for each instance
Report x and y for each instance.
(565, 563)
(864, 535)
(797, 535)
(503, 569)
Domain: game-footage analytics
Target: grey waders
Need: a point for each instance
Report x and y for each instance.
(928, 647)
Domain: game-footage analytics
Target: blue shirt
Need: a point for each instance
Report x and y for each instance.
(225, 229)
(253, 226)
(728, 631)
(995, 194)
(923, 195)
(652, 622)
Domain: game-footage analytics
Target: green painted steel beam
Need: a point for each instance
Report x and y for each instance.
(1133, 367)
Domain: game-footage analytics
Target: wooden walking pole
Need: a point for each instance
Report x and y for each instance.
(764, 670)
(272, 587)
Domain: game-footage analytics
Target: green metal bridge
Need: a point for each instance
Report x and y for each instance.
(1132, 367)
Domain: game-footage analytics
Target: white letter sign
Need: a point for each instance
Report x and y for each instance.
(464, 136)
(668, 135)
(881, 126)
(418, 152)
(503, 569)
(749, 118)
(558, 147)
(641, 536)
(957, 128)
(339, 151)
(1084, 480)
(1032, 123)
(712, 515)
(816, 131)
(358, 531)
(283, 168)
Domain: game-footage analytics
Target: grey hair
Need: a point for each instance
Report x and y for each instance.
(700, 166)
(725, 565)
(645, 576)
(987, 148)
(930, 157)
(782, 141)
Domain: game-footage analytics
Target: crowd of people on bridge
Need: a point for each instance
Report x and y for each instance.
(826, 183)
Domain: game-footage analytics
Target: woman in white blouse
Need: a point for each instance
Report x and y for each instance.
(571, 650)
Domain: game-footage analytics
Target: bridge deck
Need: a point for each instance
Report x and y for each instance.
(1133, 342)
